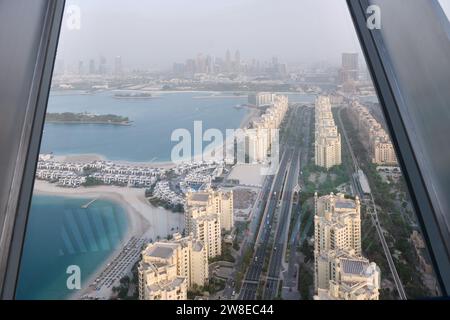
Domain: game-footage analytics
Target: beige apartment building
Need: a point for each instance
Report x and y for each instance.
(261, 99)
(351, 278)
(167, 269)
(161, 282)
(341, 272)
(328, 146)
(373, 136)
(207, 213)
(215, 201)
(261, 136)
(205, 226)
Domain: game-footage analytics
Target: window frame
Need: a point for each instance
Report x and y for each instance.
(46, 17)
(389, 95)
(20, 193)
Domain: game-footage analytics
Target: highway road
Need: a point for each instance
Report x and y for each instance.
(253, 275)
(290, 276)
(280, 242)
(299, 140)
(280, 201)
(250, 239)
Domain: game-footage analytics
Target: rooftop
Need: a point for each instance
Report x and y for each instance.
(199, 196)
(353, 266)
(160, 250)
(345, 204)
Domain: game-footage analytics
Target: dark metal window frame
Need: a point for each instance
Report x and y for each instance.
(389, 96)
(13, 230)
(13, 224)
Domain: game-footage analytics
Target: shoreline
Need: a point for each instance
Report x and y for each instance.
(104, 123)
(248, 118)
(144, 220)
(92, 157)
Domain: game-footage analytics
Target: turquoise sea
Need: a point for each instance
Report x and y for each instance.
(148, 139)
(61, 234)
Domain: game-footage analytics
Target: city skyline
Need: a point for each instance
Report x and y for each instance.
(209, 28)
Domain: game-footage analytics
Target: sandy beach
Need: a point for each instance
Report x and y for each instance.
(251, 115)
(144, 219)
(85, 158)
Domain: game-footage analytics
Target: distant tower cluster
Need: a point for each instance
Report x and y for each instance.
(341, 272)
(327, 138)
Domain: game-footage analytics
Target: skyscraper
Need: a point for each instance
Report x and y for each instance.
(237, 61)
(350, 67)
(102, 67)
(118, 68)
(228, 62)
(92, 69)
(80, 67)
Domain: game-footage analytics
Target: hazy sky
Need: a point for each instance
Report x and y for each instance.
(157, 33)
(446, 6)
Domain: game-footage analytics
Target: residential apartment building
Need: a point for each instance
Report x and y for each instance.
(327, 138)
(167, 269)
(261, 99)
(207, 213)
(373, 136)
(205, 226)
(351, 278)
(215, 201)
(160, 281)
(341, 272)
(262, 136)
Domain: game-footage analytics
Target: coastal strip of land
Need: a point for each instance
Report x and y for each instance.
(144, 220)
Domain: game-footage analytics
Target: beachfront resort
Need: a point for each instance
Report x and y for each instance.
(205, 192)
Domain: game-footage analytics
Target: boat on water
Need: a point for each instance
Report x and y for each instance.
(133, 95)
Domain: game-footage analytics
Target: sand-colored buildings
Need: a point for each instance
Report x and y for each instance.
(263, 133)
(372, 135)
(167, 269)
(207, 213)
(341, 272)
(327, 138)
(215, 201)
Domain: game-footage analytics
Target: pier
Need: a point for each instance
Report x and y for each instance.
(86, 206)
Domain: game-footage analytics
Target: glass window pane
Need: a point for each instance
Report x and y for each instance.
(422, 96)
(446, 6)
(180, 135)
